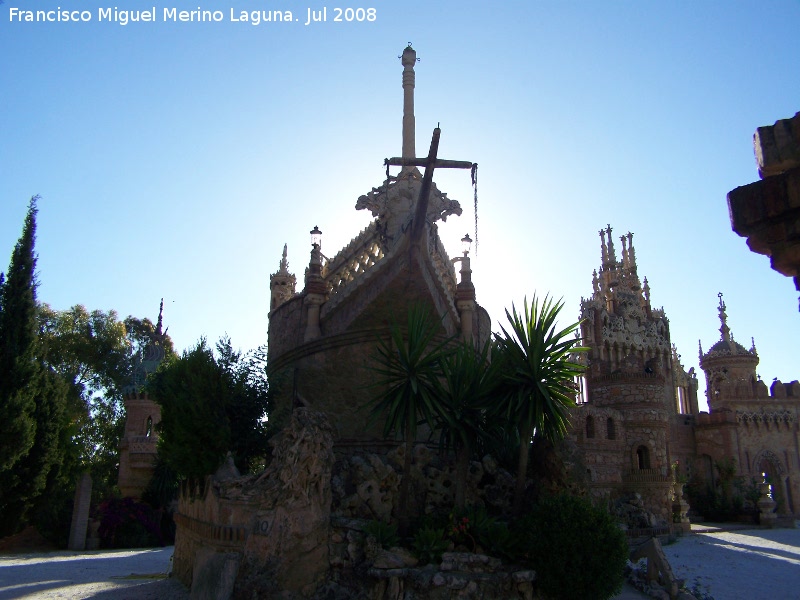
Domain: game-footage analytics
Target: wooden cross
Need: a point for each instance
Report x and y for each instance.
(430, 163)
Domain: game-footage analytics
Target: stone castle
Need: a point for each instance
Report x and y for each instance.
(637, 418)
(636, 424)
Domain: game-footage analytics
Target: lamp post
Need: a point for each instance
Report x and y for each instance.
(465, 290)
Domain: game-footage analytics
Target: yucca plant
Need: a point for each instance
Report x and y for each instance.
(408, 367)
(537, 381)
(467, 382)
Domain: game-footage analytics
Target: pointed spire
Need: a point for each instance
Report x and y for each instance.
(625, 263)
(408, 59)
(603, 249)
(700, 346)
(160, 322)
(612, 256)
(723, 318)
(646, 290)
(283, 269)
(595, 282)
(631, 253)
(753, 346)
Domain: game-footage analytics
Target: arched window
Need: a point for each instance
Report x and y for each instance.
(149, 429)
(643, 455)
(611, 433)
(590, 426)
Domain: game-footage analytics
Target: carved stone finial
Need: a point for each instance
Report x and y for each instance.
(631, 252)
(283, 267)
(624, 240)
(160, 322)
(603, 249)
(723, 318)
(646, 290)
(700, 347)
(612, 256)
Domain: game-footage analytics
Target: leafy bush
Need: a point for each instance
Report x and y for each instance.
(384, 533)
(577, 549)
(429, 545)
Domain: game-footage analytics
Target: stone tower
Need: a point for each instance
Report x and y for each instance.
(754, 425)
(629, 388)
(138, 446)
(730, 368)
(281, 283)
(322, 340)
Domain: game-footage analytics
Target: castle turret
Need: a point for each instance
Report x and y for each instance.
(729, 367)
(630, 385)
(138, 446)
(281, 283)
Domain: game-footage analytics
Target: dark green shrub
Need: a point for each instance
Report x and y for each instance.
(125, 523)
(578, 550)
(384, 533)
(429, 545)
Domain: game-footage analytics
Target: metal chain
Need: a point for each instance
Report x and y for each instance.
(474, 174)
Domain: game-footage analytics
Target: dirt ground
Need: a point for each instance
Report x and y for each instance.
(31, 567)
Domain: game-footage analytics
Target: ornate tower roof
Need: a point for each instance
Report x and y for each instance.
(729, 367)
(727, 346)
(282, 283)
(620, 325)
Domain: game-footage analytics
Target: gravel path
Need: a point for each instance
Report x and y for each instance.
(752, 564)
(117, 575)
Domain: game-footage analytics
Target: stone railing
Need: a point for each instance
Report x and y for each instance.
(344, 270)
(445, 271)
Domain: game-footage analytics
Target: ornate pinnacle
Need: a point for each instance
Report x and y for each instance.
(283, 268)
(700, 346)
(603, 250)
(612, 257)
(160, 321)
(631, 252)
(723, 318)
(625, 264)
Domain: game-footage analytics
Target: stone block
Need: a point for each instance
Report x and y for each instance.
(214, 574)
(777, 147)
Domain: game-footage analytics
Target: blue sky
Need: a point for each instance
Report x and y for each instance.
(175, 159)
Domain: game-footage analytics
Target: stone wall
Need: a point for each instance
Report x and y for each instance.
(274, 527)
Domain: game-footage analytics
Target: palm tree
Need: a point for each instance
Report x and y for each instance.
(538, 371)
(467, 382)
(409, 365)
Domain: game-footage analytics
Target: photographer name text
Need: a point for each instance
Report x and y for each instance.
(305, 17)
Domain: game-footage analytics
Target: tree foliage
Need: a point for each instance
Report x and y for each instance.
(211, 405)
(537, 386)
(578, 550)
(32, 396)
(18, 367)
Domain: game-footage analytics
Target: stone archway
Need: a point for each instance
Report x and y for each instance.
(769, 465)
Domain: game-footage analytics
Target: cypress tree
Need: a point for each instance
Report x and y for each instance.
(18, 365)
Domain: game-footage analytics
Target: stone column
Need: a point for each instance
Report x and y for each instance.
(80, 513)
(465, 299)
(314, 295)
(409, 59)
